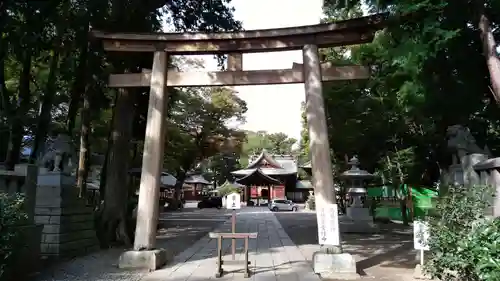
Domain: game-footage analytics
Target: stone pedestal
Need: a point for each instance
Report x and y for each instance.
(68, 224)
(335, 266)
(358, 220)
(151, 260)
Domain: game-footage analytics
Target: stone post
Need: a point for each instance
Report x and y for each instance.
(495, 182)
(489, 169)
(235, 62)
(332, 264)
(316, 121)
(145, 255)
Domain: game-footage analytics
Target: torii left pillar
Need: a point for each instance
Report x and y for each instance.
(330, 262)
(144, 254)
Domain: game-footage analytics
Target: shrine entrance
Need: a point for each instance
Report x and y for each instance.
(312, 73)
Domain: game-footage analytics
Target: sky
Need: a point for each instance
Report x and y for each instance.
(272, 108)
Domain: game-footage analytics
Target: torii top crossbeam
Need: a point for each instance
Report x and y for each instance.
(348, 32)
(341, 33)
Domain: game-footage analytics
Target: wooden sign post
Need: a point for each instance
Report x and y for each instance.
(233, 202)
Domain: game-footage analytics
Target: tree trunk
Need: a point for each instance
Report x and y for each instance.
(103, 179)
(78, 86)
(4, 93)
(181, 177)
(44, 118)
(5, 107)
(17, 121)
(113, 216)
(489, 50)
(84, 154)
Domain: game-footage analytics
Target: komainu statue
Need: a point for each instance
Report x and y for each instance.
(60, 155)
(462, 142)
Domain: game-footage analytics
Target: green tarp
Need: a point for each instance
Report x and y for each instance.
(421, 197)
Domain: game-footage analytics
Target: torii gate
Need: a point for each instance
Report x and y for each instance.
(311, 73)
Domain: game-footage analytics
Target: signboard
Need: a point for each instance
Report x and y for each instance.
(420, 235)
(233, 201)
(328, 224)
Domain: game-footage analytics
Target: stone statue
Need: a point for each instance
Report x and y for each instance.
(461, 141)
(60, 155)
(465, 154)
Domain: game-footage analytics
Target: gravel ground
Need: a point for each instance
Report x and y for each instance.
(179, 230)
(385, 256)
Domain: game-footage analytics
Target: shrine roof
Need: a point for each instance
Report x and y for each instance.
(264, 157)
(267, 171)
(196, 179)
(257, 177)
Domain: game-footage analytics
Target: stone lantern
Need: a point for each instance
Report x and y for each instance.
(358, 218)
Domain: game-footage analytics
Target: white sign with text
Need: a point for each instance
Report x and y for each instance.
(328, 224)
(420, 235)
(233, 201)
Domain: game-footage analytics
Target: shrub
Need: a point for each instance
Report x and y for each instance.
(228, 189)
(465, 245)
(11, 215)
(311, 203)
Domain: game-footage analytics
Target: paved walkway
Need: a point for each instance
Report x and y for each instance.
(178, 231)
(273, 254)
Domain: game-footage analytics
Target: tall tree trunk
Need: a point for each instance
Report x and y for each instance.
(5, 107)
(4, 93)
(84, 154)
(113, 217)
(180, 175)
(103, 179)
(78, 86)
(17, 121)
(489, 50)
(47, 102)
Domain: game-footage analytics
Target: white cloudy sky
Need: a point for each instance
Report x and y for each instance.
(273, 108)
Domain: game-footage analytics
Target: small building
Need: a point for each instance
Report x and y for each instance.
(270, 176)
(195, 187)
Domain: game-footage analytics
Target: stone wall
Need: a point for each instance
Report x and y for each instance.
(68, 223)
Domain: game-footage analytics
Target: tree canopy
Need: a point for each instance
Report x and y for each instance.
(53, 80)
(428, 72)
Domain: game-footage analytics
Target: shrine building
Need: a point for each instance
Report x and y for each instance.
(270, 176)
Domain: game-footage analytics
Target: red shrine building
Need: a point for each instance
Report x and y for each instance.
(270, 177)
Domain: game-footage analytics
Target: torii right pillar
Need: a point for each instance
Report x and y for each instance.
(330, 262)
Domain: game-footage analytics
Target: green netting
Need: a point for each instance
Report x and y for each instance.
(421, 197)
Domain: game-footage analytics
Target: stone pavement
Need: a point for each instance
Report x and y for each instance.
(387, 256)
(178, 231)
(273, 254)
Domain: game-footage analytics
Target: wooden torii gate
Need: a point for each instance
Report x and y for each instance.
(311, 73)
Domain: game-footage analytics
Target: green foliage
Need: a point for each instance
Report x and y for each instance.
(275, 143)
(198, 130)
(311, 203)
(428, 73)
(228, 189)
(463, 242)
(304, 137)
(11, 215)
